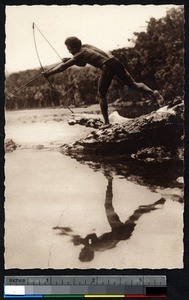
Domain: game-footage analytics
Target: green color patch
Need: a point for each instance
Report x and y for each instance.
(63, 296)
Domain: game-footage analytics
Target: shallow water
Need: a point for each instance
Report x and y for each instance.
(61, 213)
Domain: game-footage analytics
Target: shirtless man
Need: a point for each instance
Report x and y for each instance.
(110, 66)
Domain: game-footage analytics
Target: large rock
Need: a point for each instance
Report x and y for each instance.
(161, 129)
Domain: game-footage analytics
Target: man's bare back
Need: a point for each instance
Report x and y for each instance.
(91, 55)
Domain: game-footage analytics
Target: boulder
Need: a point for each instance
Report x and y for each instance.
(9, 145)
(88, 120)
(161, 129)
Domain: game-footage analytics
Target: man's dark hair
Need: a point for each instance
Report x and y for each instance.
(73, 42)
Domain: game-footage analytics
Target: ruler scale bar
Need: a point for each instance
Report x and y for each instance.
(133, 286)
(87, 280)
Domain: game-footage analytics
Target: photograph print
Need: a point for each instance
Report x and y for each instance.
(94, 110)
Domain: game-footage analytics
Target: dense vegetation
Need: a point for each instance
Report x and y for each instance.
(157, 59)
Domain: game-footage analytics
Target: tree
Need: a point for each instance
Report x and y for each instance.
(158, 55)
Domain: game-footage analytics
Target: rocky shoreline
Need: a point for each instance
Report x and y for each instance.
(155, 136)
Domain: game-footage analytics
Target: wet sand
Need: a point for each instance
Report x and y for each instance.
(57, 208)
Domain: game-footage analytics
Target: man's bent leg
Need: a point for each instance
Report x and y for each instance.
(142, 87)
(131, 83)
(124, 75)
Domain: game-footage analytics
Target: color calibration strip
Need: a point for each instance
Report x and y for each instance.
(137, 296)
(57, 287)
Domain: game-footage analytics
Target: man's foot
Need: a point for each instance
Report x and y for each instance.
(159, 98)
(105, 126)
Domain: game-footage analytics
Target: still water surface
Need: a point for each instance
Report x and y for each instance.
(61, 213)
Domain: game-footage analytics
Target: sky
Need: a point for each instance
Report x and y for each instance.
(105, 26)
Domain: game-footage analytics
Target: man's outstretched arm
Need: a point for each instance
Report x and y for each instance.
(60, 68)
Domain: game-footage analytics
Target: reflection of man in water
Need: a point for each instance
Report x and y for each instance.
(119, 230)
